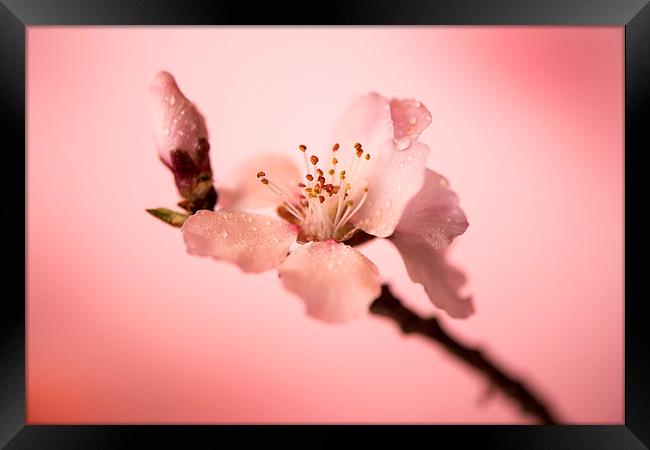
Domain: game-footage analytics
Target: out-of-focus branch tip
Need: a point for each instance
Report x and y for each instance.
(389, 306)
(173, 218)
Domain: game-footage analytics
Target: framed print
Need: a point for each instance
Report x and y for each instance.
(416, 217)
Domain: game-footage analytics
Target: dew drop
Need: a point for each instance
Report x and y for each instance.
(413, 120)
(223, 234)
(388, 204)
(166, 131)
(172, 100)
(378, 213)
(403, 143)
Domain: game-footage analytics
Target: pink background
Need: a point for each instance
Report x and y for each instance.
(124, 326)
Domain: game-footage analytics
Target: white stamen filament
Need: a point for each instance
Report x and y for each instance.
(283, 195)
(351, 212)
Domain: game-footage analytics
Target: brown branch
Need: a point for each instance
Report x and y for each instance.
(389, 306)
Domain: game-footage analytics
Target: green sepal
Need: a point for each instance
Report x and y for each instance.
(173, 218)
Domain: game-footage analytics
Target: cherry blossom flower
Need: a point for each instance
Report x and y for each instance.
(373, 180)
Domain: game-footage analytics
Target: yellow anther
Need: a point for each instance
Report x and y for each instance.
(310, 177)
(335, 161)
(313, 159)
(260, 174)
(331, 171)
(335, 147)
(367, 156)
(302, 148)
(264, 181)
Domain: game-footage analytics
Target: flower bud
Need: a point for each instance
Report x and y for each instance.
(182, 141)
(176, 121)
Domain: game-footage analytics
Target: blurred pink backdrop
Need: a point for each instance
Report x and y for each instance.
(124, 326)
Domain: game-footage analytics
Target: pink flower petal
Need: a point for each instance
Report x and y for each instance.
(441, 281)
(244, 189)
(433, 214)
(371, 119)
(410, 118)
(176, 121)
(336, 282)
(395, 176)
(254, 242)
(367, 120)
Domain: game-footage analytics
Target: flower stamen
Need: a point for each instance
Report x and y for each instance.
(324, 208)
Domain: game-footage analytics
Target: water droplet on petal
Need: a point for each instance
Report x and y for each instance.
(378, 213)
(166, 131)
(172, 100)
(403, 143)
(388, 204)
(413, 120)
(223, 234)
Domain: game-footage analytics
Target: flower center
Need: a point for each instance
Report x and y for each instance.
(326, 201)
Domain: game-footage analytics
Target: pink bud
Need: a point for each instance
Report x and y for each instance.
(177, 124)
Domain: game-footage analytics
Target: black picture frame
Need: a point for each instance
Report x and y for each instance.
(16, 15)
